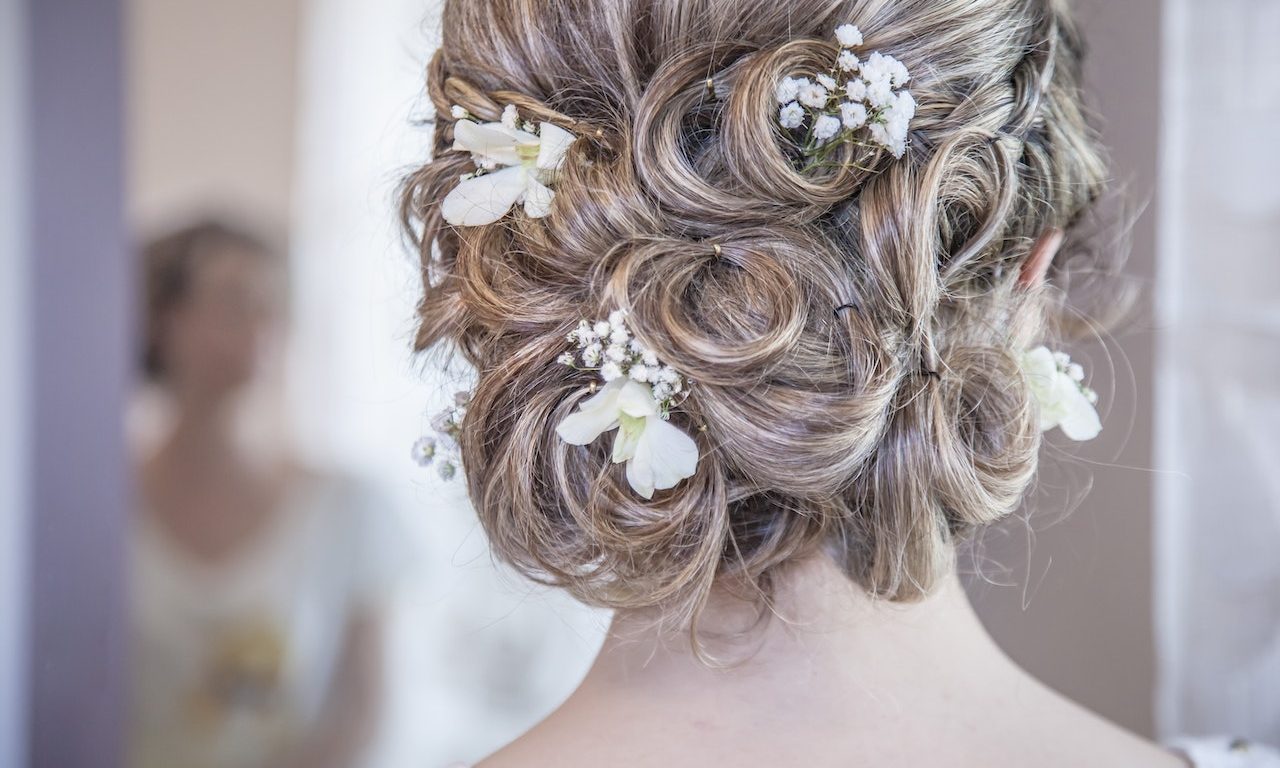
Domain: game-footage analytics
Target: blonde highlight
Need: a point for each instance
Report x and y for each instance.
(852, 331)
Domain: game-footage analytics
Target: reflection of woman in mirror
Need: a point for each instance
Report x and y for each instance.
(257, 584)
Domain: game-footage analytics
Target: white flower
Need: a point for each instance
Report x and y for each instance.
(566, 359)
(879, 93)
(459, 113)
(791, 116)
(904, 106)
(849, 35)
(853, 115)
(591, 355)
(891, 136)
(894, 123)
(856, 90)
(898, 71)
(826, 127)
(610, 371)
(882, 66)
(812, 95)
(510, 118)
(658, 454)
(847, 61)
(827, 81)
(1063, 401)
(424, 450)
(787, 90)
(639, 372)
(522, 163)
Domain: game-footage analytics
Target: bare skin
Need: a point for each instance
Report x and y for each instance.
(835, 679)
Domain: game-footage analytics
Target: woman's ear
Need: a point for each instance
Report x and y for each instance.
(1037, 264)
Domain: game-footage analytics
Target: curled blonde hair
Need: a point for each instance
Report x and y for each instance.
(852, 331)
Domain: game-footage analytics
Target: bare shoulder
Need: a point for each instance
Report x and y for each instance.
(1055, 733)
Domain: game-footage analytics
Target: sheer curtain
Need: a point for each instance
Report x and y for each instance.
(1218, 514)
(476, 656)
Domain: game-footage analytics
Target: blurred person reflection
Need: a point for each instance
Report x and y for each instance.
(257, 584)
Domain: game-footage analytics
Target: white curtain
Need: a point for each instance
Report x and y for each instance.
(476, 655)
(1218, 491)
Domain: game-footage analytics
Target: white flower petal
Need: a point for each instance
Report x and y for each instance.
(826, 127)
(484, 199)
(537, 198)
(636, 399)
(664, 455)
(1058, 397)
(849, 35)
(1079, 418)
(555, 143)
(1038, 364)
(787, 90)
(791, 116)
(594, 417)
(490, 141)
(629, 433)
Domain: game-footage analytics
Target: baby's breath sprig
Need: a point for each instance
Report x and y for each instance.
(442, 448)
(865, 110)
(635, 403)
(607, 347)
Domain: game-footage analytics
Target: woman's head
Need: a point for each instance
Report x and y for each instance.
(213, 295)
(853, 332)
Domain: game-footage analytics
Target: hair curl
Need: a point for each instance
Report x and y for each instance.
(854, 337)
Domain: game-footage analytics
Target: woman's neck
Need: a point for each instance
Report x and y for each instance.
(834, 678)
(826, 633)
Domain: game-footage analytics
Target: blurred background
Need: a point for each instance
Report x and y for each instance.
(216, 550)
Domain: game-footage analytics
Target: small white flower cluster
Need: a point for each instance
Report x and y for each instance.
(607, 346)
(1075, 372)
(442, 449)
(871, 97)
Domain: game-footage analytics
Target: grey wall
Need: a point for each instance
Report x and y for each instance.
(1078, 608)
(78, 323)
(13, 436)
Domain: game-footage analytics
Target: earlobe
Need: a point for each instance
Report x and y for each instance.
(1041, 256)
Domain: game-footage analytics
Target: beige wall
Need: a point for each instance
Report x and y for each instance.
(1077, 610)
(211, 108)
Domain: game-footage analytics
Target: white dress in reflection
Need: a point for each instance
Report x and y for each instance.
(231, 661)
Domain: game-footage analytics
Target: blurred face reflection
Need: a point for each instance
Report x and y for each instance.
(214, 338)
